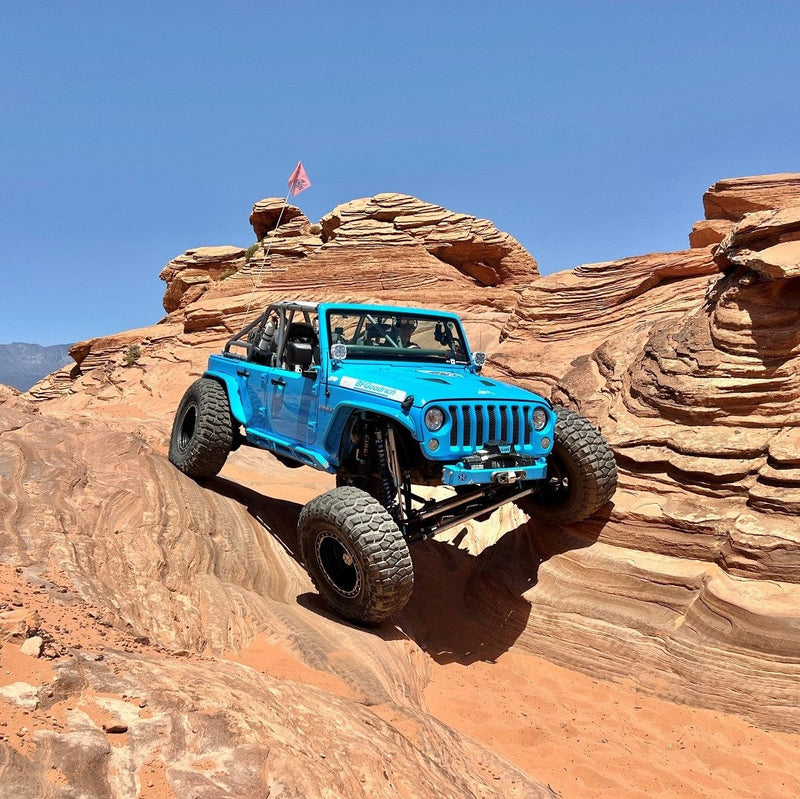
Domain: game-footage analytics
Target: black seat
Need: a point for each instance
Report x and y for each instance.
(300, 331)
(302, 343)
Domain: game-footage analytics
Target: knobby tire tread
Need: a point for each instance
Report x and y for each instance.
(388, 573)
(580, 441)
(212, 440)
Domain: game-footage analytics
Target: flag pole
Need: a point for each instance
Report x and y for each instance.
(266, 254)
(298, 181)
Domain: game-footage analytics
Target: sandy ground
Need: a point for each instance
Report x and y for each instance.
(587, 738)
(583, 737)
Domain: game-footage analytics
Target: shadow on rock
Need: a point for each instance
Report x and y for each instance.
(277, 516)
(467, 608)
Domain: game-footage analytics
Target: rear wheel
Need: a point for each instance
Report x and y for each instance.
(202, 433)
(355, 554)
(581, 472)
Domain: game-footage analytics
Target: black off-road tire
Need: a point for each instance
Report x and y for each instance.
(202, 433)
(356, 555)
(581, 474)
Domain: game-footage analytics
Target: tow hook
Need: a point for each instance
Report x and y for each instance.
(507, 478)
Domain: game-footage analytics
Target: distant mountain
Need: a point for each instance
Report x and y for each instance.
(23, 365)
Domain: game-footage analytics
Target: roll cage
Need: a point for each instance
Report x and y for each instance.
(286, 335)
(280, 335)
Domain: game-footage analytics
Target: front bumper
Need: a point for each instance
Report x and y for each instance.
(465, 474)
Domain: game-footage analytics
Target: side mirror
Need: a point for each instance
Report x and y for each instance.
(338, 352)
(478, 360)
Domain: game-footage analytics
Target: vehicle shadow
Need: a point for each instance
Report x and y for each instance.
(465, 608)
(278, 517)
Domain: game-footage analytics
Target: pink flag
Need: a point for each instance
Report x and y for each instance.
(298, 181)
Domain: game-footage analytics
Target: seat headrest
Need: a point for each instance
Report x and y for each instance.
(299, 353)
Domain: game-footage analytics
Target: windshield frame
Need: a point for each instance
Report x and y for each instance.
(398, 335)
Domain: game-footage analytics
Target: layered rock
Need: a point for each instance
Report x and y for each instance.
(474, 246)
(686, 585)
(566, 315)
(696, 384)
(727, 201)
(390, 248)
(190, 275)
(8, 392)
(179, 576)
(273, 212)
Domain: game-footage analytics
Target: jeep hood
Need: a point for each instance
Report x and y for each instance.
(427, 383)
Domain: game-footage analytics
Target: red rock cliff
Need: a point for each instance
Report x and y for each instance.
(687, 584)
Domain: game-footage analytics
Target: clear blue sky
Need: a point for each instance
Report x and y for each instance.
(130, 132)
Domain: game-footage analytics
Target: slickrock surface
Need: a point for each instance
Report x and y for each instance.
(695, 381)
(174, 575)
(561, 649)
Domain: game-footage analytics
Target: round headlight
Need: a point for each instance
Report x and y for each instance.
(434, 419)
(539, 419)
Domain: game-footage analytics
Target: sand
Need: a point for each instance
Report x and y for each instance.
(581, 736)
(588, 738)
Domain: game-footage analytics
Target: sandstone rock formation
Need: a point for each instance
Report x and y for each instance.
(8, 392)
(180, 575)
(727, 201)
(686, 586)
(190, 275)
(696, 384)
(388, 248)
(208, 572)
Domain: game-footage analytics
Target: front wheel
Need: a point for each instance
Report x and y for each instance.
(355, 554)
(202, 433)
(581, 472)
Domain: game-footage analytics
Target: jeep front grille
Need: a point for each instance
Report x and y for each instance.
(474, 425)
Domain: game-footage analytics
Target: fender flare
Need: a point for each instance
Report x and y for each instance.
(344, 412)
(232, 390)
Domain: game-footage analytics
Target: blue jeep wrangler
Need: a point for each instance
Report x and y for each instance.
(386, 399)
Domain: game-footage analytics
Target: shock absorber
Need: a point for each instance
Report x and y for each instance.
(388, 490)
(364, 440)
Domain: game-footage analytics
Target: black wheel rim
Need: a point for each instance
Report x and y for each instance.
(188, 426)
(338, 565)
(557, 490)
